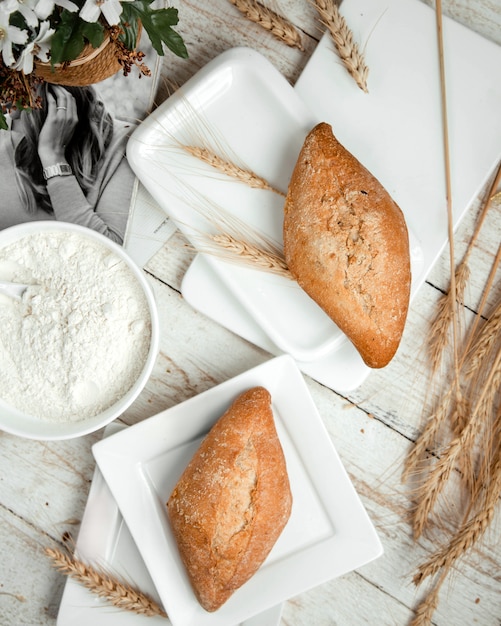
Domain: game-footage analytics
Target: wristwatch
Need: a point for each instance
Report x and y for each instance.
(59, 169)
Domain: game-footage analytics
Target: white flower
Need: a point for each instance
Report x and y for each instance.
(44, 8)
(9, 35)
(26, 8)
(39, 47)
(92, 9)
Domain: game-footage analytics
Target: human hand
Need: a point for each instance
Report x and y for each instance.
(58, 127)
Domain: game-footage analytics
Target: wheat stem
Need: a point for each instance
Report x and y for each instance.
(118, 593)
(483, 212)
(342, 37)
(448, 184)
(271, 21)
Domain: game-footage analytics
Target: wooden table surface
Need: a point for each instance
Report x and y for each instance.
(44, 485)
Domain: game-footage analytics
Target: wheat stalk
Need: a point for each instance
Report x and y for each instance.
(229, 168)
(471, 531)
(270, 20)
(202, 140)
(428, 436)
(461, 444)
(118, 593)
(486, 204)
(251, 254)
(223, 237)
(424, 612)
(438, 339)
(480, 348)
(430, 489)
(466, 447)
(342, 37)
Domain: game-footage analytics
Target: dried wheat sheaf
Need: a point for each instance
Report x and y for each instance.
(461, 438)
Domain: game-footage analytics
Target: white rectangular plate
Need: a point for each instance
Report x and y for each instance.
(241, 102)
(105, 541)
(328, 534)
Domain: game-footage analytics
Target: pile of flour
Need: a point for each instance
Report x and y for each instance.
(79, 338)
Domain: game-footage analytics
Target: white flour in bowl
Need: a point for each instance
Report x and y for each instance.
(79, 338)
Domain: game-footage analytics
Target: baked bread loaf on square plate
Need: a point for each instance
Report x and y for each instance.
(346, 244)
(233, 500)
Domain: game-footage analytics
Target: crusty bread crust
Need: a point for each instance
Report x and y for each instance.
(232, 501)
(346, 244)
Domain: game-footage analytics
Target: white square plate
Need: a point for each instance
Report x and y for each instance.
(328, 534)
(105, 540)
(240, 101)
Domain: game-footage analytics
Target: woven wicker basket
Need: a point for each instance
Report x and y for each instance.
(92, 66)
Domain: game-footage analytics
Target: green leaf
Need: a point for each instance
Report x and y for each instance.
(161, 22)
(175, 43)
(93, 32)
(71, 36)
(157, 23)
(3, 122)
(130, 25)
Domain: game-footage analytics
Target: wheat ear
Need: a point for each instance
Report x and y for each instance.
(437, 478)
(343, 39)
(271, 21)
(471, 531)
(482, 345)
(246, 176)
(118, 593)
(429, 435)
(252, 254)
(438, 338)
(447, 307)
(424, 612)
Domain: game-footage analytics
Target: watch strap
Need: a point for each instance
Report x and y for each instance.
(58, 169)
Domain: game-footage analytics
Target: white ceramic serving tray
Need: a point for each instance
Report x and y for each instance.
(328, 534)
(105, 541)
(241, 102)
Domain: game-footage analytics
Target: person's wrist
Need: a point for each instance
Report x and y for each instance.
(51, 158)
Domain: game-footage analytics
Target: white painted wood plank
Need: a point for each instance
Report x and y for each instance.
(43, 487)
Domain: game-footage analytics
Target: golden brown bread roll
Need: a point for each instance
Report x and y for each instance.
(346, 244)
(232, 501)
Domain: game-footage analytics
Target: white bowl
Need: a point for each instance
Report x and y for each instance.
(13, 420)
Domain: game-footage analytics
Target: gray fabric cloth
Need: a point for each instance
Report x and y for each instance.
(104, 209)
